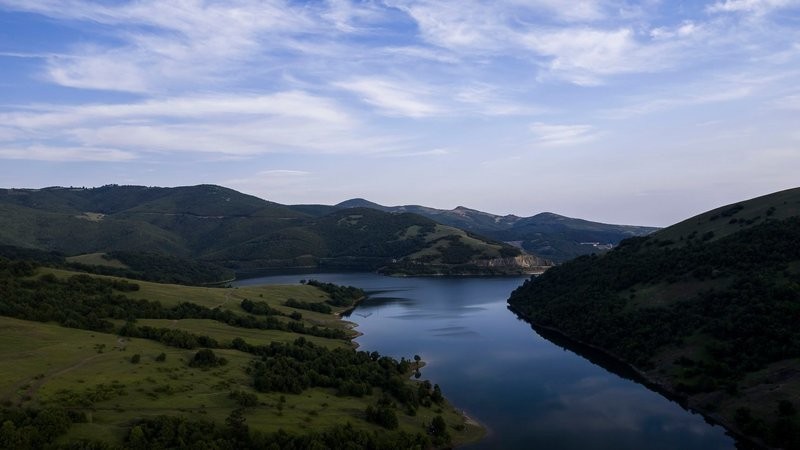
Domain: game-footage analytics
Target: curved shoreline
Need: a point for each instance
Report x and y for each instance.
(468, 421)
(626, 370)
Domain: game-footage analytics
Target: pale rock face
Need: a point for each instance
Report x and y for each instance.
(526, 262)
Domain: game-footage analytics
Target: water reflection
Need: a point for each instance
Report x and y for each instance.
(530, 392)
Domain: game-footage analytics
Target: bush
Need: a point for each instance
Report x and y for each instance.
(384, 416)
(206, 358)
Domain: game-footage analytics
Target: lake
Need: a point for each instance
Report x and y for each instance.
(529, 392)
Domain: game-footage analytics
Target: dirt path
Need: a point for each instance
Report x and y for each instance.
(35, 386)
(227, 299)
(35, 383)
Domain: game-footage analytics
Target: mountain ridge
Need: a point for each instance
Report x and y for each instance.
(545, 234)
(239, 231)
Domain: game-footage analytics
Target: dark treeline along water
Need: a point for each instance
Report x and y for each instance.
(529, 392)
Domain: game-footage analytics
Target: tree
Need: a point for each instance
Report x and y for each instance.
(382, 415)
(137, 440)
(206, 358)
(9, 436)
(438, 430)
(437, 394)
(238, 425)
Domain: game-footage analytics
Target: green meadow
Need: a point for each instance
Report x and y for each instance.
(115, 381)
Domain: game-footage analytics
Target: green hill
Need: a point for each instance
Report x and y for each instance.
(707, 309)
(105, 362)
(222, 227)
(546, 235)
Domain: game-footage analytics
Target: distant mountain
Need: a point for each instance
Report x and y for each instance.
(546, 235)
(225, 227)
(707, 309)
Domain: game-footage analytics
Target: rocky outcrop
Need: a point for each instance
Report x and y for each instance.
(528, 263)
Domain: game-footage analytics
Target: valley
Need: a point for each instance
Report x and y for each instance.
(130, 341)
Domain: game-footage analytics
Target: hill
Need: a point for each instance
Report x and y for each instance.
(546, 235)
(706, 310)
(105, 362)
(225, 228)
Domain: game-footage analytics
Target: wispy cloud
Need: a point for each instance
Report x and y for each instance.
(764, 83)
(284, 173)
(233, 125)
(667, 100)
(751, 6)
(583, 55)
(294, 104)
(393, 97)
(193, 42)
(409, 154)
(490, 100)
(25, 55)
(562, 135)
(791, 102)
(65, 154)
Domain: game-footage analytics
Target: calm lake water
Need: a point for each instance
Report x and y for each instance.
(529, 392)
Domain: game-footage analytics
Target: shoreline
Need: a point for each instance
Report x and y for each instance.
(468, 420)
(631, 372)
(267, 272)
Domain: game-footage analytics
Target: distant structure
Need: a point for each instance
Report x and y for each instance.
(599, 246)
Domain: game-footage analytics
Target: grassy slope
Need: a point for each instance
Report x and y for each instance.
(480, 249)
(729, 219)
(686, 321)
(45, 364)
(97, 259)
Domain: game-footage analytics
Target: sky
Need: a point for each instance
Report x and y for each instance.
(637, 112)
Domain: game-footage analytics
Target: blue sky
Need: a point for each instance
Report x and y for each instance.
(641, 112)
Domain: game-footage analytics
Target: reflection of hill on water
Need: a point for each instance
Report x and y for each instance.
(615, 366)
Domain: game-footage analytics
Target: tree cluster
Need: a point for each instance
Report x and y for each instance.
(339, 295)
(87, 302)
(178, 432)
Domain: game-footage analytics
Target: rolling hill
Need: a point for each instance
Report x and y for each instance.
(706, 310)
(104, 362)
(220, 226)
(547, 235)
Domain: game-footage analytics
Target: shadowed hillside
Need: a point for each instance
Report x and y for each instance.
(708, 309)
(227, 228)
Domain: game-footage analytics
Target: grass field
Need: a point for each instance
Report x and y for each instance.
(225, 333)
(48, 365)
(97, 259)
(230, 298)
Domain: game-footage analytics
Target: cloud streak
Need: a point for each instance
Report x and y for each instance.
(563, 135)
(394, 98)
(233, 125)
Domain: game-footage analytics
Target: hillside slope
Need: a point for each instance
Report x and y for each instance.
(707, 309)
(104, 362)
(547, 235)
(231, 229)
